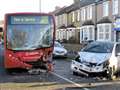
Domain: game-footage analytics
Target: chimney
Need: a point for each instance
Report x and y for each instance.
(57, 7)
(76, 1)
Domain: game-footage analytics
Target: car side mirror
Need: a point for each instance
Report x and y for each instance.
(118, 54)
(77, 58)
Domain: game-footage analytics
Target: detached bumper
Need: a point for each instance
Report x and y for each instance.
(79, 67)
(60, 55)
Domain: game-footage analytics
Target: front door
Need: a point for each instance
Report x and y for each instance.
(117, 55)
(118, 36)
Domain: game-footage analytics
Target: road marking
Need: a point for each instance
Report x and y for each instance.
(86, 84)
(105, 83)
(76, 84)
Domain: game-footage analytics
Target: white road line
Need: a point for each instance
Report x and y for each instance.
(76, 84)
(105, 83)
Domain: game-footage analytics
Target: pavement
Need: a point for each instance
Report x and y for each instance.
(72, 49)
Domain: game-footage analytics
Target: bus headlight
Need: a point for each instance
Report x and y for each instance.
(10, 55)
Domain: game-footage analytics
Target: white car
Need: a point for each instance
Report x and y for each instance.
(1, 41)
(59, 50)
(98, 57)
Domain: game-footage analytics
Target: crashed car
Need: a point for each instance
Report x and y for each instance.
(98, 57)
(59, 50)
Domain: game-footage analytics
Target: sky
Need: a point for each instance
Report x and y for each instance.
(12, 6)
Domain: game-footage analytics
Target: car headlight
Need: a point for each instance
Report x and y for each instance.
(105, 64)
(56, 51)
(78, 59)
(65, 51)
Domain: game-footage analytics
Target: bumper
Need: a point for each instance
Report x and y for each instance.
(60, 55)
(10, 64)
(79, 67)
(13, 64)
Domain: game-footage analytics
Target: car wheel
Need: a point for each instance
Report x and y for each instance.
(111, 75)
(75, 73)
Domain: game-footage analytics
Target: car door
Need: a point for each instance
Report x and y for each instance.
(117, 55)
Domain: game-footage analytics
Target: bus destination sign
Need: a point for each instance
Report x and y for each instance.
(29, 20)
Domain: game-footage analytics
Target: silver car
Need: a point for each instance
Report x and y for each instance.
(98, 57)
(59, 50)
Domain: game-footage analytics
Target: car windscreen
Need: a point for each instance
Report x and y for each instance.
(99, 47)
(58, 44)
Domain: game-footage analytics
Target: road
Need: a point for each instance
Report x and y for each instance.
(62, 76)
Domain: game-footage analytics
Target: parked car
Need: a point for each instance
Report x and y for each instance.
(98, 57)
(1, 41)
(59, 50)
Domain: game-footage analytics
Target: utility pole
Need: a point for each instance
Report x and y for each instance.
(40, 5)
(96, 1)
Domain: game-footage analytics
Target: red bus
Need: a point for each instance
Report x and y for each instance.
(29, 40)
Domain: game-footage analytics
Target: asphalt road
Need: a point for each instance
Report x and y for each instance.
(62, 75)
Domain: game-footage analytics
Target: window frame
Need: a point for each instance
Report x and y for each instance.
(83, 14)
(103, 26)
(115, 8)
(105, 8)
(89, 12)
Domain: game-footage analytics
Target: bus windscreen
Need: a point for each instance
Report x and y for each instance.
(29, 32)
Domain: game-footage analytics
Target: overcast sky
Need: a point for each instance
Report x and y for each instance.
(7, 6)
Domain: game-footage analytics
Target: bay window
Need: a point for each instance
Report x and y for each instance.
(104, 32)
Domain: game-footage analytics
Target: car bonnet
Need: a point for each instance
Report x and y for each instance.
(91, 57)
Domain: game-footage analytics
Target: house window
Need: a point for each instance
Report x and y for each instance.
(105, 8)
(60, 19)
(83, 14)
(64, 34)
(81, 35)
(69, 34)
(115, 7)
(87, 32)
(59, 34)
(89, 12)
(91, 33)
(63, 19)
(73, 16)
(104, 32)
(101, 32)
(107, 36)
(78, 15)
